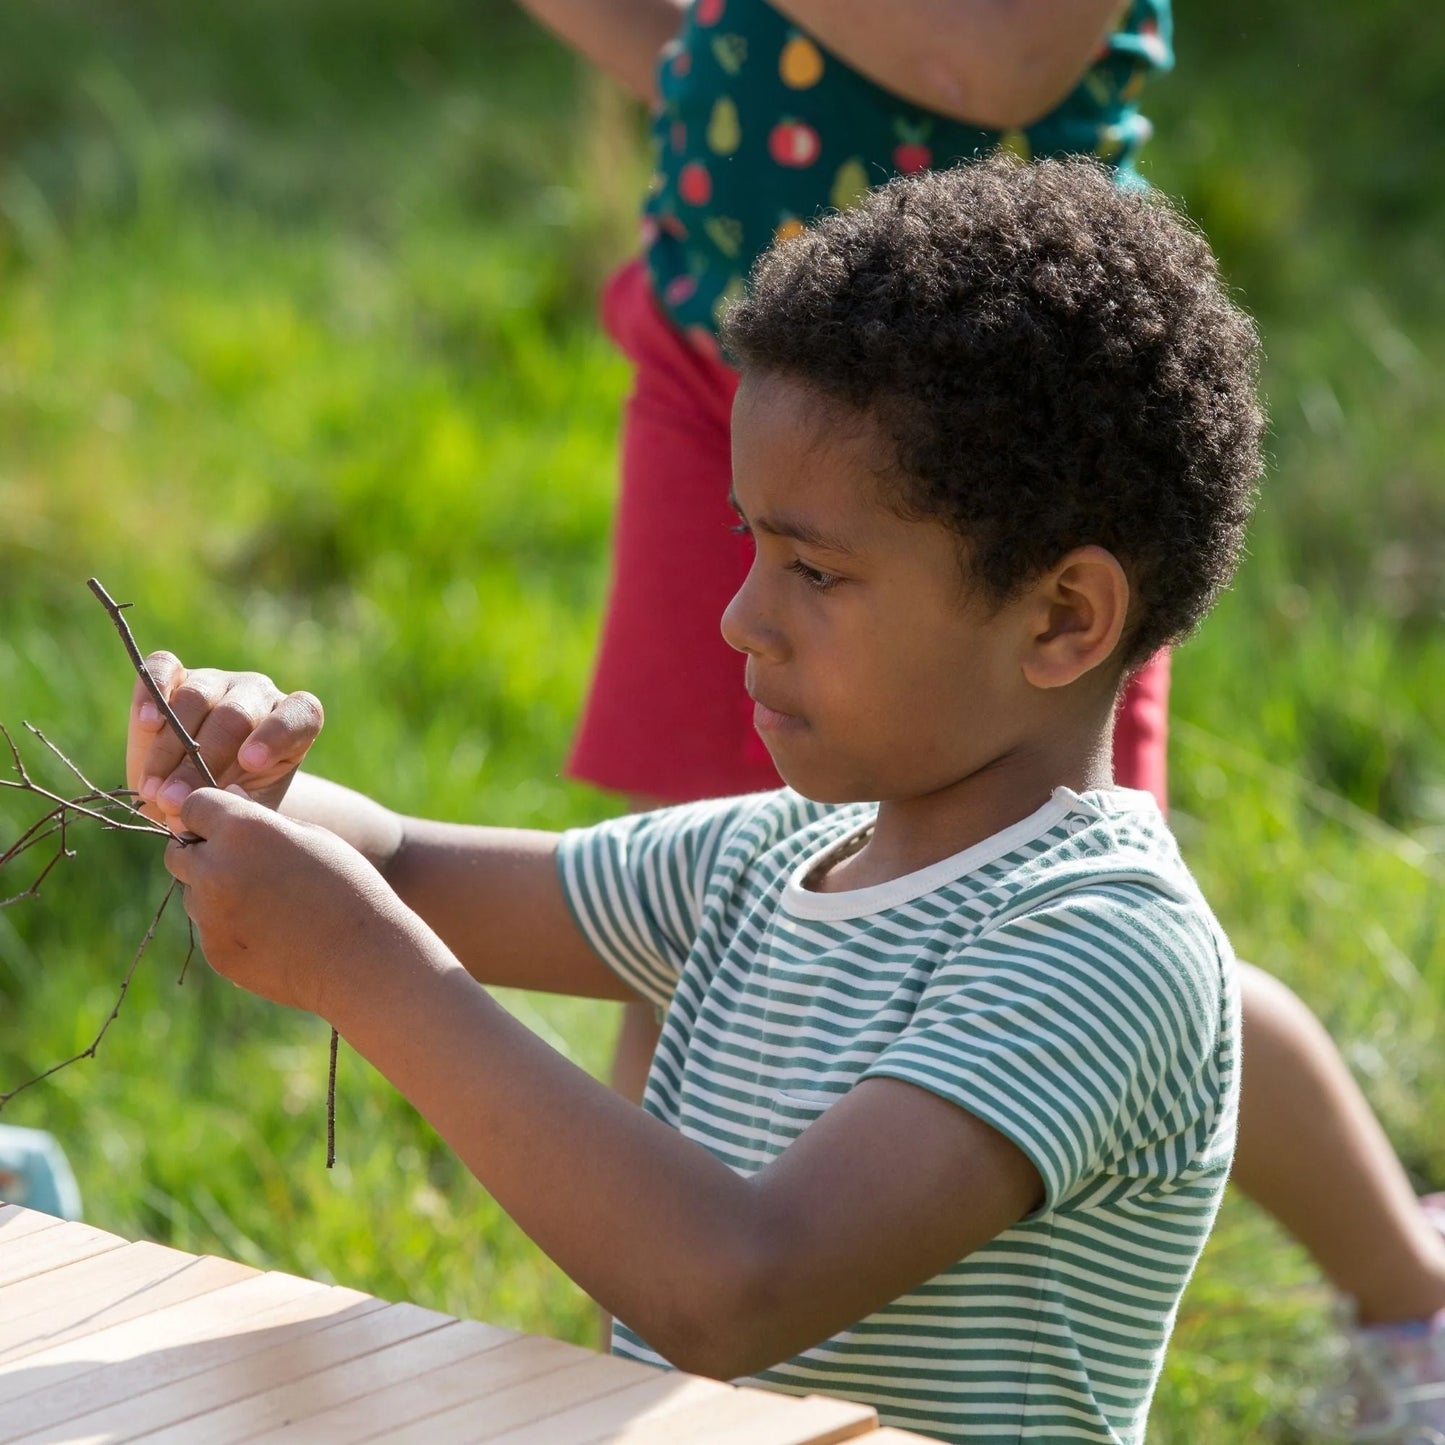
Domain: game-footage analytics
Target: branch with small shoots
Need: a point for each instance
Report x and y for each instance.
(114, 810)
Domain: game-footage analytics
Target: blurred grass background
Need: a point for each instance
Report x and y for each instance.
(297, 354)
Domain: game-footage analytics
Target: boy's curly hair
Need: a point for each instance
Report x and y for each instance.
(1056, 360)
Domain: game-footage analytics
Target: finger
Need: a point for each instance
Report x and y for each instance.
(146, 721)
(282, 739)
(218, 710)
(247, 700)
(181, 859)
(165, 671)
(166, 760)
(209, 812)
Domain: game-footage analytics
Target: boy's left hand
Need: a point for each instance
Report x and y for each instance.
(285, 909)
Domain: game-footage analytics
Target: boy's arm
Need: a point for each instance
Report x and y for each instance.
(997, 63)
(723, 1275)
(491, 894)
(621, 37)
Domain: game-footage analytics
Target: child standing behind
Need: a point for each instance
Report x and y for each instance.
(765, 116)
(945, 1097)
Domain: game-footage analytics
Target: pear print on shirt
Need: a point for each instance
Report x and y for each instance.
(850, 185)
(800, 63)
(724, 134)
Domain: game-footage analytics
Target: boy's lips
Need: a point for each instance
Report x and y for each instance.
(771, 719)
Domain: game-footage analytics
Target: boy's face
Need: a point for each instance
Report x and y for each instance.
(877, 673)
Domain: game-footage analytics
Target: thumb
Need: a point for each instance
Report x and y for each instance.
(208, 811)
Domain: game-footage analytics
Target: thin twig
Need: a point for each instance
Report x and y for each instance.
(115, 608)
(48, 824)
(62, 852)
(97, 797)
(56, 822)
(89, 1053)
(190, 951)
(119, 794)
(331, 1104)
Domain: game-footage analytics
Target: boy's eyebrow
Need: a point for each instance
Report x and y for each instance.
(796, 529)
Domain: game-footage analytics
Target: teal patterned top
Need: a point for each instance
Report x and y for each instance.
(759, 128)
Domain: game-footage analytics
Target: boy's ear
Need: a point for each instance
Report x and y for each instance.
(1080, 608)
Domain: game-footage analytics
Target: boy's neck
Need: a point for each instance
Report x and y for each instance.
(913, 833)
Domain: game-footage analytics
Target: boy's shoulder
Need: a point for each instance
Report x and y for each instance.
(1105, 842)
(1103, 860)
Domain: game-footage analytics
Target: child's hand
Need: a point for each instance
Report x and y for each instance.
(285, 909)
(249, 732)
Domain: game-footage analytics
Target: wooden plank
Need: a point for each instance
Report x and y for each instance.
(657, 1400)
(727, 1420)
(244, 1397)
(295, 1403)
(16, 1222)
(48, 1249)
(523, 1404)
(749, 1417)
(92, 1294)
(892, 1435)
(411, 1402)
(144, 1354)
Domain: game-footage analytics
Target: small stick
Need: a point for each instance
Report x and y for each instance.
(331, 1104)
(190, 951)
(62, 852)
(119, 794)
(115, 608)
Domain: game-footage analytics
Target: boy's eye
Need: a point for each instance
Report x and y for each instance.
(740, 529)
(820, 581)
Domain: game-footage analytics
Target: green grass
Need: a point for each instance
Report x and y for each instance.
(297, 354)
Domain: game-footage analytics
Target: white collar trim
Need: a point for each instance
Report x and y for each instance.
(802, 902)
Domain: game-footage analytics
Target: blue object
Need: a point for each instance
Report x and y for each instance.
(34, 1172)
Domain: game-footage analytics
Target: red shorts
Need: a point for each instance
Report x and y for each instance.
(667, 717)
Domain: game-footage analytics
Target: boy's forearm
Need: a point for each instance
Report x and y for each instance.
(372, 829)
(647, 1222)
(998, 63)
(622, 37)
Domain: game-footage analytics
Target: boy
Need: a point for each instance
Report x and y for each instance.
(945, 1096)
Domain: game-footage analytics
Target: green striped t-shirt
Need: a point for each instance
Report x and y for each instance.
(1063, 980)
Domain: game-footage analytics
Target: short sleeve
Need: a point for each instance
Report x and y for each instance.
(1087, 1032)
(636, 887)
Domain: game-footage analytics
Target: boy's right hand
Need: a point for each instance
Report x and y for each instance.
(249, 732)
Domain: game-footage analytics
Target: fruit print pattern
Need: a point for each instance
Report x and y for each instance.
(801, 62)
(760, 127)
(794, 142)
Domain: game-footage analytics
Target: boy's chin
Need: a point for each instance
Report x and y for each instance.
(818, 787)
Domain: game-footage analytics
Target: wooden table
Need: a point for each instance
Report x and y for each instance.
(102, 1340)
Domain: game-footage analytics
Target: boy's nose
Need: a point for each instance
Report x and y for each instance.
(743, 621)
